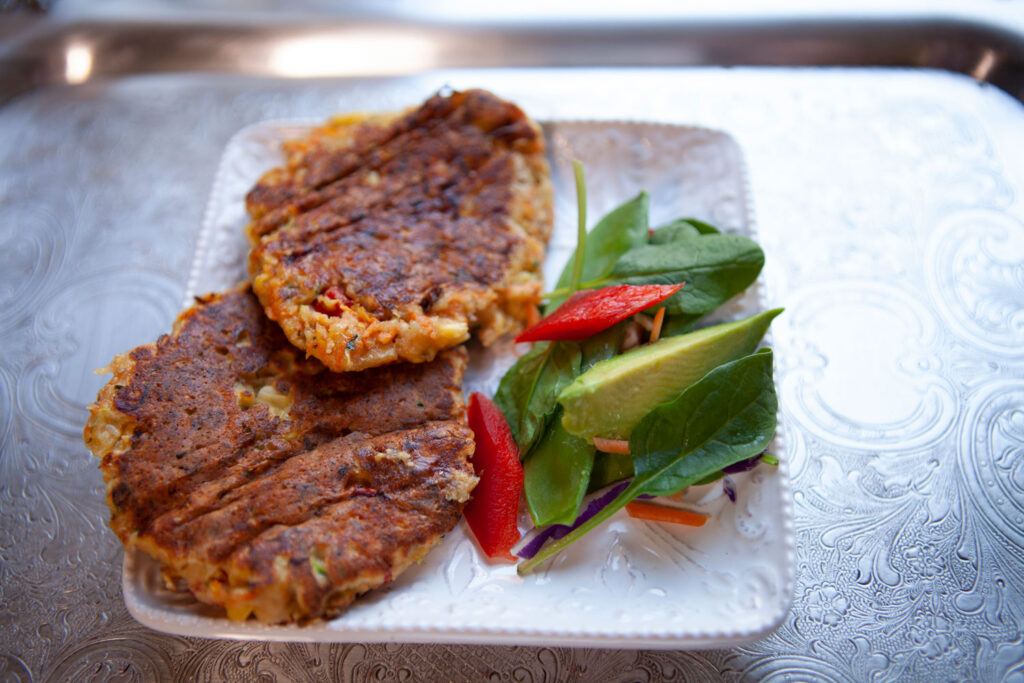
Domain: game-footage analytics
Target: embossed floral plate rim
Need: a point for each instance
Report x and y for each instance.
(454, 596)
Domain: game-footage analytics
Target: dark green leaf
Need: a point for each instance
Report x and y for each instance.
(602, 345)
(684, 228)
(528, 390)
(623, 228)
(557, 474)
(702, 227)
(714, 267)
(679, 323)
(608, 469)
(727, 416)
(710, 479)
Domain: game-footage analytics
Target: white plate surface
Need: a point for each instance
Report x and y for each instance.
(628, 583)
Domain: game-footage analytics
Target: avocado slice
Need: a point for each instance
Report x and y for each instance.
(610, 398)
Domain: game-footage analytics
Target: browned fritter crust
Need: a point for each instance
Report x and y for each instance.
(266, 483)
(426, 225)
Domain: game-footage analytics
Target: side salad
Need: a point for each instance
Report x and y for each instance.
(621, 398)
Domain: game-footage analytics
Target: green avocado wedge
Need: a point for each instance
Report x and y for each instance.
(610, 398)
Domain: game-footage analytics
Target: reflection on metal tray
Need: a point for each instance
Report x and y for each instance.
(376, 44)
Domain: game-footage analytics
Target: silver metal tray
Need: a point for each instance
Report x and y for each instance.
(888, 202)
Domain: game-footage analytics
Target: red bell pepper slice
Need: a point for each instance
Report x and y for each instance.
(588, 312)
(493, 511)
(331, 301)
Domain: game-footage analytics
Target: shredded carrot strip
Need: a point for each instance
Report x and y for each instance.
(660, 513)
(659, 318)
(611, 445)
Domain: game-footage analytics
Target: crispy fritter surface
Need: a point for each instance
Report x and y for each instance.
(267, 484)
(391, 238)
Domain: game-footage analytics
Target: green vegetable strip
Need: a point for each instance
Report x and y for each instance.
(581, 225)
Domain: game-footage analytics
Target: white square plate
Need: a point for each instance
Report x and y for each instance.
(628, 583)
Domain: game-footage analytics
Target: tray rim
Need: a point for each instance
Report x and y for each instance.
(985, 41)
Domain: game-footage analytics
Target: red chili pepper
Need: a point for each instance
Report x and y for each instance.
(590, 311)
(493, 510)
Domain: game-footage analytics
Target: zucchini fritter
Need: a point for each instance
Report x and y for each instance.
(267, 484)
(391, 238)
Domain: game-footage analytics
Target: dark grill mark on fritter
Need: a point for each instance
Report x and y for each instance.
(462, 119)
(310, 481)
(331, 174)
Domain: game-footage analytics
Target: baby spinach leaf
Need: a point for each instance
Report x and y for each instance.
(714, 267)
(679, 230)
(726, 416)
(702, 227)
(683, 228)
(608, 469)
(602, 346)
(679, 323)
(528, 390)
(557, 474)
(623, 228)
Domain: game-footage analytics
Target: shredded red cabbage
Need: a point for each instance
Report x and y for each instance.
(729, 489)
(535, 539)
